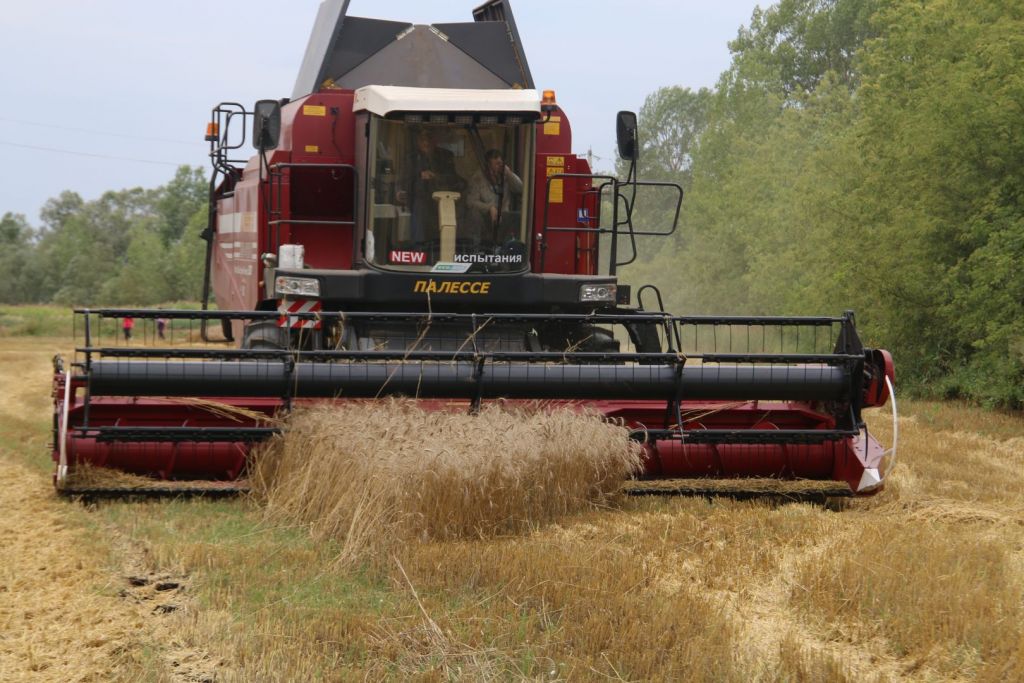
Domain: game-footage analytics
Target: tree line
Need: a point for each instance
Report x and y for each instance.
(858, 154)
(128, 247)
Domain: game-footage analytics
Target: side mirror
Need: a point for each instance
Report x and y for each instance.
(266, 124)
(625, 134)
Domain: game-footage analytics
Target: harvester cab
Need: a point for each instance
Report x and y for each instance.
(416, 168)
(414, 223)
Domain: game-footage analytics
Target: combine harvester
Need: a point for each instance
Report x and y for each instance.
(414, 223)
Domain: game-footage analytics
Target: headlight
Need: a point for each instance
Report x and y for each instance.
(598, 293)
(297, 286)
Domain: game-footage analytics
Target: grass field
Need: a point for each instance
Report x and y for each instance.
(924, 582)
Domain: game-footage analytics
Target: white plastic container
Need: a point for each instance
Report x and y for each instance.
(291, 257)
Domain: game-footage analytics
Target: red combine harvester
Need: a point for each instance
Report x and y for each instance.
(414, 223)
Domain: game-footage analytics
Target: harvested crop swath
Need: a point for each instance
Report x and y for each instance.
(374, 474)
(86, 476)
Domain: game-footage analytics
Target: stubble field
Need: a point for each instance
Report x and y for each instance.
(924, 582)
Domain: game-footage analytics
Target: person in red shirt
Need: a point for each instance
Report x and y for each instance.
(127, 326)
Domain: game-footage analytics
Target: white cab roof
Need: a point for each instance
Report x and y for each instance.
(384, 99)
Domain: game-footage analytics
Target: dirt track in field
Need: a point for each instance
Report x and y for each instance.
(60, 614)
(68, 611)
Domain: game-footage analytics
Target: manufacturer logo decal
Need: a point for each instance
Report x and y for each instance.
(464, 287)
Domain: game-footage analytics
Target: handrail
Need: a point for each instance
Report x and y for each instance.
(300, 221)
(616, 224)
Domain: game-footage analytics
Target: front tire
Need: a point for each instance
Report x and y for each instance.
(265, 335)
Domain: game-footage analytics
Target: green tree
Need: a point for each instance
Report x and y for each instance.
(671, 122)
(15, 247)
(790, 47)
(768, 187)
(865, 154)
(186, 261)
(85, 243)
(942, 102)
(59, 209)
(179, 200)
(135, 246)
(140, 280)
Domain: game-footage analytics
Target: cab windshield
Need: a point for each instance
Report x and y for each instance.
(449, 197)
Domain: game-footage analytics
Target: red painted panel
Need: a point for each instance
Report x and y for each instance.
(321, 128)
(564, 252)
(317, 129)
(840, 460)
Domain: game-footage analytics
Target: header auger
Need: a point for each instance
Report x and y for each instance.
(414, 223)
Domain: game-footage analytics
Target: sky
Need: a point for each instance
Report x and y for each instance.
(109, 94)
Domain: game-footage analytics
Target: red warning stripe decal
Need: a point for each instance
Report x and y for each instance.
(286, 308)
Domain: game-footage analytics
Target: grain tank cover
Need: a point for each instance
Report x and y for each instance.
(352, 52)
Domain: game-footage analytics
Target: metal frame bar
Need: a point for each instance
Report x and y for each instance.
(471, 355)
(616, 224)
(435, 317)
(176, 434)
(743, 436)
